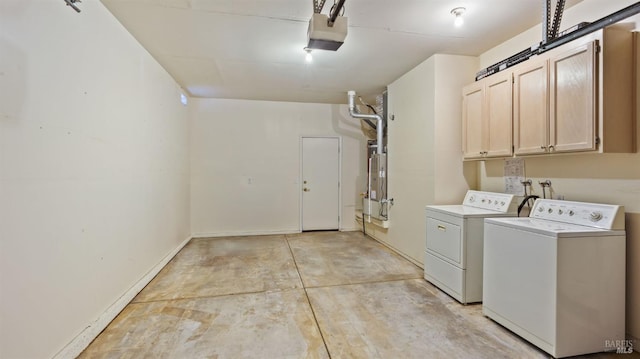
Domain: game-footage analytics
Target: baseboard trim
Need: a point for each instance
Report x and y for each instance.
(82, 341)
(244, 233)
(351, 229)
(259, 233)
(418, 264)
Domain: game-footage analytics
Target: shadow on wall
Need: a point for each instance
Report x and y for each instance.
(593, 166)
(345, 125)
(633, 273)
(12, 82)
(470, 173)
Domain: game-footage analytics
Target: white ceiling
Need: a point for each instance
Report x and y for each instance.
(253, 49)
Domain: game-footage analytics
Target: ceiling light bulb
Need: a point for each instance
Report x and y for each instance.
(308, 57)
(457, 12)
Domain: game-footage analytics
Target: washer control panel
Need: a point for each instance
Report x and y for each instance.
(596, 215)
(500, 202)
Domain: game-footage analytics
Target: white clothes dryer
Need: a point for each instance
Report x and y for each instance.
(453, 258)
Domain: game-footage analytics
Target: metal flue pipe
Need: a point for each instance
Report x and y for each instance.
(353, 111)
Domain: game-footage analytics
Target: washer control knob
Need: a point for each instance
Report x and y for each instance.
(560, 211)
(472, 199)
(595, 216)
(540, 209)
(502, 203)
(550, 210)
(571, 212)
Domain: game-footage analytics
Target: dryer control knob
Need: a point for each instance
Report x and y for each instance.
(540, 209)
(595, 216)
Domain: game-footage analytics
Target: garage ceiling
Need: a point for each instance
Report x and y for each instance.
(253, 49)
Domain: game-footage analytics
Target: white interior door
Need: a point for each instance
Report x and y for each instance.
(320, 183)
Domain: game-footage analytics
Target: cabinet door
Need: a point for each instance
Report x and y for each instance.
(572, 121)
(472, 114)
(530, 107)
(497, 132)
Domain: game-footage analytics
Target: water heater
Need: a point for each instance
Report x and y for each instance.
(378, 180)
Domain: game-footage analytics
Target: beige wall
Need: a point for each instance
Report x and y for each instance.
(424, 144)
(605, 178)
(245, 164)
(94, 176)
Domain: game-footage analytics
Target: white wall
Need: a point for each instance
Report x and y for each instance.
(425, 149)
(94, 174)
(605, 178)
(245, 164)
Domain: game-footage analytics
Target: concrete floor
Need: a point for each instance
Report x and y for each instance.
(309, 295)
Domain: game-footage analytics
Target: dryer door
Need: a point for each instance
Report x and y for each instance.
(444, 240)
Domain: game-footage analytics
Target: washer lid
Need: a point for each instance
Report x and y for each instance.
(552, 228)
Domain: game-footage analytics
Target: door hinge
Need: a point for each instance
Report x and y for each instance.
(597, 140)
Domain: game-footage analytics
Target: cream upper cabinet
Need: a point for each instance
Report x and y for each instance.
(487, 117)
(577, 97)
(572, 100)
(498, 122)
(555, 102)
(472, 118)
(530, 114)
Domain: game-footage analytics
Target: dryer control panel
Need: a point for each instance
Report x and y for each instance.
(500, 202)
(605, 216)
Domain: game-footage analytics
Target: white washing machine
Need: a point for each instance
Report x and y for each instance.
(453, 259)
(557, 277)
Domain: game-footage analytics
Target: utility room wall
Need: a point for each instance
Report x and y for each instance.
(94, 177)
(425, 149)
(245, 164)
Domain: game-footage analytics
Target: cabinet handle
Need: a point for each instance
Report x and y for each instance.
(543, 148)
(442, 228)
(552, 148)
